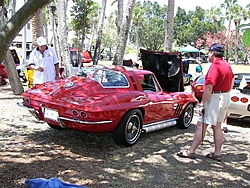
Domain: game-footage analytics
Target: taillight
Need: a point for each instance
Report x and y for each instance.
(244, 100)
(235, 99)
(75, 113)
(199, 87)
(84, 114)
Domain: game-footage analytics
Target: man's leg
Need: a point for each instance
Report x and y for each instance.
(218, 138)
(198, 136)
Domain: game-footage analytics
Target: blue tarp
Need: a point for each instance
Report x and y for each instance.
(49, 183)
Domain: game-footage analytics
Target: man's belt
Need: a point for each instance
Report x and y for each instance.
(220, 91)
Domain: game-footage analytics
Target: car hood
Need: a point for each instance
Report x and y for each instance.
(167, 68)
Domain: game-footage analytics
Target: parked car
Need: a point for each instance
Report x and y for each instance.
(187, 76)
(238, 77)
(240, 99)
(3, 75)
(19, 66)
(197, 87)
(239, 105)
(118, 99)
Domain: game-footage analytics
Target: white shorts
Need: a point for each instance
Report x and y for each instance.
(216, 108)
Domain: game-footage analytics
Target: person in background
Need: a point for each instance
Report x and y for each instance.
(43, 60)
(198, 69)
(215, 102)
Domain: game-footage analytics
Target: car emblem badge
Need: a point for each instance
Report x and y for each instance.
(69, 84)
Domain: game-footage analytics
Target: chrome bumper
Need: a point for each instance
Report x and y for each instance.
(33, 111)
(61, 120)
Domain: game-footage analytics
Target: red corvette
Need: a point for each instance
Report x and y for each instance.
(117, 99)
(197, 87)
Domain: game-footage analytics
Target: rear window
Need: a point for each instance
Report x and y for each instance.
(106, 77)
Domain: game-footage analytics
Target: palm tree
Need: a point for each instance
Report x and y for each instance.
(238, 14)
(37, 26)
(215, 14)
(63, 36)
(226, 5)
(123, 35)
(169, 26)
(137, 17)
(99, 35)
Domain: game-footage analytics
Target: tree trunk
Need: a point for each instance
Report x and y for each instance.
(52, 22)
(99, 35)
(15, 82)
(37, 27)
(123, 35)
(63, 36)
(9, 31)
(227, 44)
(169, 28)
(120, 16)
(236, 44)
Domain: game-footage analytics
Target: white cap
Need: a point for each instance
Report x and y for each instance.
(41, 41)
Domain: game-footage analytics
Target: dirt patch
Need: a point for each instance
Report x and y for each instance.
(31, 149)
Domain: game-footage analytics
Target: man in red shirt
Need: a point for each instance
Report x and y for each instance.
(215, 102)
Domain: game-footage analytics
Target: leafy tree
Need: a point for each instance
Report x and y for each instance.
(228, 16)
(109, 38)
(82, 15)
(150, 26)
(238, 14)
(189, 27)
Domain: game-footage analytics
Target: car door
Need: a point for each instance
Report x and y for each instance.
(160, 106)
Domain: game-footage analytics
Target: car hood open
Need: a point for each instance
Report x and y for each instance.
(167, 67)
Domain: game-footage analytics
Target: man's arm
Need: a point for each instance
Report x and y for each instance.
(57, 71)
(206, 94)
(232, 84)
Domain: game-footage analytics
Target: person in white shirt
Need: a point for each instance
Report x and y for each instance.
(43, 60)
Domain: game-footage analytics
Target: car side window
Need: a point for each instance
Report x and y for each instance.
(148, 83)
(107, 78)
(113, 78)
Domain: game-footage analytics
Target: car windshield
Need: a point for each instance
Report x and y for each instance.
(106, 77)
(202, 80)
(240, 76)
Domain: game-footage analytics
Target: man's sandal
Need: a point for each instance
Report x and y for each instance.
(186, 154)
(214, 157)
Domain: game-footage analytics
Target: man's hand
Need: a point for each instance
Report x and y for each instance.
(57, 77)
(40, 69)
(201, 111)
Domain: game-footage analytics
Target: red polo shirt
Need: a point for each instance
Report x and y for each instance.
(219, 75)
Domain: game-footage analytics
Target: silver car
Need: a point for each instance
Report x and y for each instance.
(240, 104)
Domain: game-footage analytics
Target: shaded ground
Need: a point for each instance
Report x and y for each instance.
(30, 149)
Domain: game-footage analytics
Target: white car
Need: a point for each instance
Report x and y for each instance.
(240, 105)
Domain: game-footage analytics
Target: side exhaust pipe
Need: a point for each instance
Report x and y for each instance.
(157, 126)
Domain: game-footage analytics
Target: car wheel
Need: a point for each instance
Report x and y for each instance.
(129, 128)
(186, 117)
(55, 127)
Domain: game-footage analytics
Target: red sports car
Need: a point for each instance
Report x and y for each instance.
(117, 99)
(197, 87)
